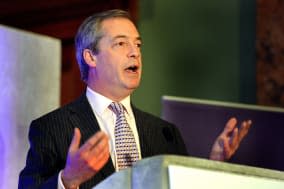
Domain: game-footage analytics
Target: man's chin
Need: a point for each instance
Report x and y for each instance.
(132, 87)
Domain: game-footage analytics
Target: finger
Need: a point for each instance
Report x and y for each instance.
(99, 154)
(231, 124)
(75, 141)
(226, 152)
(244, 129)
(91, 142)
(101, 146)
(102, 141)
(101, 159)
(234, 140)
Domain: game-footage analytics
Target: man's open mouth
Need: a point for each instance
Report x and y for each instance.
(132, 68)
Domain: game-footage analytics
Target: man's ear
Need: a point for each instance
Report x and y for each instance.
(89, 58)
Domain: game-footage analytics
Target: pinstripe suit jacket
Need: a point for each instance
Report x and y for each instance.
(51, 134)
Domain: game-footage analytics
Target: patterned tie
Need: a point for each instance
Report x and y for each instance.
(125, 145)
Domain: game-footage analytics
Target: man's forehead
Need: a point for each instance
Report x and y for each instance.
(119, 26)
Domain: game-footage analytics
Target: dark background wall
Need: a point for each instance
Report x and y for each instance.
(201, 49)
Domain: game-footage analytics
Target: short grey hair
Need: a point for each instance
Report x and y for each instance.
(89, 35)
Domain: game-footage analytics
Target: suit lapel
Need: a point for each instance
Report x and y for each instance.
(143, 130)
(82, 117)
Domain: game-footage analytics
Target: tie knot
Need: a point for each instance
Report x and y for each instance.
(117, 108)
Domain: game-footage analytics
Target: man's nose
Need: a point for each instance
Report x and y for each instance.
(134, 51)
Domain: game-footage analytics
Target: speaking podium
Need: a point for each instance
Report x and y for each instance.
(180, 172)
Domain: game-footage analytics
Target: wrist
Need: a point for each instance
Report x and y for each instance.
(67, 182)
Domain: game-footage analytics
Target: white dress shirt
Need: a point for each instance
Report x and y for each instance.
(106, 119)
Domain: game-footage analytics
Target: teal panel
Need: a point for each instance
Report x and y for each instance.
(190, 48)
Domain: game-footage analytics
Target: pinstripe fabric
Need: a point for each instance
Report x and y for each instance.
(51, 135)
(125, 145)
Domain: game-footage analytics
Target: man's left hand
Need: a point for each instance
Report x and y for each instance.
(229, 140)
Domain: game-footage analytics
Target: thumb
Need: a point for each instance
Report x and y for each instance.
(230, 125)
(75, 141)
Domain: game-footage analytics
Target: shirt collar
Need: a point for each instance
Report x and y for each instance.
(100, 103)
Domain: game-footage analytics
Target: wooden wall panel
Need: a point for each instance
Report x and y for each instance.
(60, 19)
(270, 52)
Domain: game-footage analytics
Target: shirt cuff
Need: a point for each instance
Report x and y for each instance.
(60, 182)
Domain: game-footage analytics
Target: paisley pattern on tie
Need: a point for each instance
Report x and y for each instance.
(125, 145)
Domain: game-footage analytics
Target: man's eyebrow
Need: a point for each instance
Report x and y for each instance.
(124, 36)
(139, 38)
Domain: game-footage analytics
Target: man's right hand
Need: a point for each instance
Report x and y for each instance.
(84, 162)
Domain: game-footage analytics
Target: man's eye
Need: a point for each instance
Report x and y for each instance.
(139, 45)
(121, 43)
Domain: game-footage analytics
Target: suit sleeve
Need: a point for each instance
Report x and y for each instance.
(180, 142)
(42, 167)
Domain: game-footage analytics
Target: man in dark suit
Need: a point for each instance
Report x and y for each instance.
(74, 146)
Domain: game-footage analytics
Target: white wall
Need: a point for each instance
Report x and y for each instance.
(29, 87)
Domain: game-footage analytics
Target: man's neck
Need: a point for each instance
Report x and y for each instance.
(110, 95)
